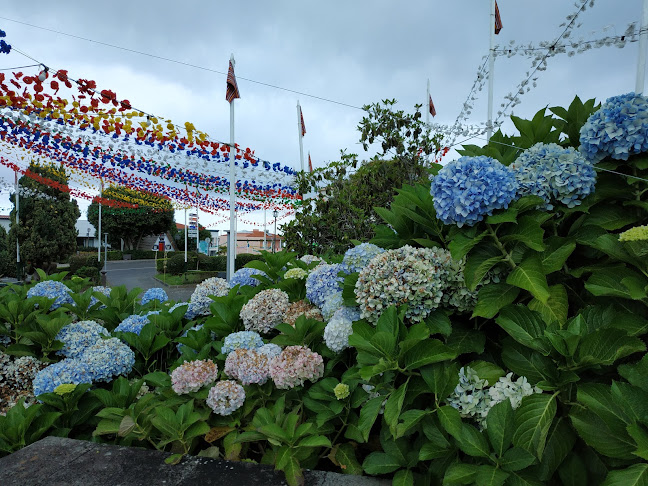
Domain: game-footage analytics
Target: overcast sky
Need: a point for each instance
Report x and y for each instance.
(353, 52)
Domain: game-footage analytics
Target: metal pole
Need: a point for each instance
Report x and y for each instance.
(643, 44)
(99, 233)
(185, 228)
(274, 237)
(17, 227)
(105, 252)
(491, 69)
(264, 227)
(299, 130)
(197, 232)
(231, 260)
(427, 104)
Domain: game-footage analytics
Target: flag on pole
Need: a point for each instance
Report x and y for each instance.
(303, 127)
(232, 88)
(432, 109)
(498, 20)
(310, 163)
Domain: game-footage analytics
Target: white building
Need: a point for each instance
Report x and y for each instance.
(4, 221)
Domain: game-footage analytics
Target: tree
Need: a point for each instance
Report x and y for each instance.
(46, 230)
(154, 215)
(348, 191)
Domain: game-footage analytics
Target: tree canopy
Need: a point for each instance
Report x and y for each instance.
(343, 195)
(46, 230)
(154, 215)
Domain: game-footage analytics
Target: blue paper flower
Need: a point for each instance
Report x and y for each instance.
(245, 276)
(358, 257)
(52, 290)
(156, 293)
(555, 174)
(324, 280)
(470, 188)
(618, 129)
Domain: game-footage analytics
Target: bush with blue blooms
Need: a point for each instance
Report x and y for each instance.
(618, 129)
(470, 188)
(52, 290)
(155, 293)
(324, 280)
(245, 276)
(241, 339)
(68, 370)
(555, 174)
(358, 257)
(107, 359)
(133, 324)
(77, 336)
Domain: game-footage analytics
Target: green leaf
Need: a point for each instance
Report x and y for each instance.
(500, 426)
(314, 441)
(560, 441)
(464, 241)
(526, 362)
(394, 406)
(556, 254)
(404, 477)
(572, 472)
(525, 326)
(528, 231)
(532, 421)
(450, 420)
(425, 353)
(479, 262)
(407, 420)
(459, 473)
(473, 442)
(556, 307)
(605, 346)
(598, 435)
(442, 377)
(529, 275)
(610, 217)
(438, 323)
(490, 476)
(346, 458)
(609, 282)
(516, 459)
(487, 371)
(491, 298)
(636, 373)
(380, 463)
(464, 341)
(635, 475)
(368, 415)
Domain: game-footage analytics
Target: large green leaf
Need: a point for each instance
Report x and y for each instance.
(381, 463)
(605, 346)
(459, 473)
(635, 475)
(532, 422)
(526, 362)
(525, 326)
(556, 307)
(464, 240)
(491, 298)
(500, 426)
(394, 406)
(529, 275)
(556, 254)
(528, 231)
(473, 442)
(610, 282)
(490, 476)
(427, 352)
(560, 441)
(480, 260)
(598, 435)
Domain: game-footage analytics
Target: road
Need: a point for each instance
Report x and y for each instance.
(140, 273)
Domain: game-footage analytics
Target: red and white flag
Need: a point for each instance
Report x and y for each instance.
(432, 109)
(303, 127)
(498, 20)
(310, 163)
(232, 88)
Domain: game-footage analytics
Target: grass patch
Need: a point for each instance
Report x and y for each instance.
(191, 277)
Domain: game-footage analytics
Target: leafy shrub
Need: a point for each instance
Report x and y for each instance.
(244, 258)
(88, 272)
(176, 264)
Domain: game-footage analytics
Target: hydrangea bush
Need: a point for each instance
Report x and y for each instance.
(52, 290)
(323, 281)
(358, 257)
(245, 276)
(156, 293)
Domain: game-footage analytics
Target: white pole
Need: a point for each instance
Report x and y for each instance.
(491, 69)
(17, 221)
(427, 104)
(299, 130)
(265, 210)
(185, 228)
(232, 177)
(643, 44)
(99, 232)
(197, 231)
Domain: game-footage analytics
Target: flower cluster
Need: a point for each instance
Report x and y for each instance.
(515, 391)
(638, 233)
(359, 257)
(618, 129)
(241, 340)
(200, 300)
(191, 376)
(294, 366)
(66, 371)
(108, 358)
(265, 310)
(270, 350)
(133, 323)
(299, 308)
(322, 281)
(16, 377)
(332, 303)
(457, 296)
(339, 328)
(407, 275)
(155, 293)
(341, 391)
(555, 174)
(308, 259)
(470, 188)
(248, 366)
(296, 273)
(245, 276)
(76, 337)
(225, 397)
(52, 290)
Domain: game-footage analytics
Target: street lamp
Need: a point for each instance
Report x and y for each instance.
(275, 213)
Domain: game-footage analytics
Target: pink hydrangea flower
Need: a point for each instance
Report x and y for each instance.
(191, 376)
(225, 397)
(294, 366)
(248, 366)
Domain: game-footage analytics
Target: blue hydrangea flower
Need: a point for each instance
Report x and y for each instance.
(104, 290)
(155, 293)
(332, 303)
(133, 323)
(245, 276)
(555, 174)
(324, 280)
(66, 371)
(76, 337)
(107, 359)
(52, 290)
(270, 350)
(241, 339)
(358, 257)
(339, 328)
(470, 188)
(618, 129)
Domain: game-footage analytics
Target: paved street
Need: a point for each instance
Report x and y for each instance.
(140, 273)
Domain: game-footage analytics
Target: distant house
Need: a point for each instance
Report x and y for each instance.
(4, 221)
(86, 237)
(252, 241)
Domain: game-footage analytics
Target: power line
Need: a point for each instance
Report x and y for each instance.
(155, 56)
(19, 67)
